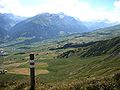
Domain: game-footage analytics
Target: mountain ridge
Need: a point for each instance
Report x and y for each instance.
(47, 25)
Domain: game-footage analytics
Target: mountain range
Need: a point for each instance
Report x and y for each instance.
(46, 26)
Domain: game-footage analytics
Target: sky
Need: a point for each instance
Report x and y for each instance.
(85, 10)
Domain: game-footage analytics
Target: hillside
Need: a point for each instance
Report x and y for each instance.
(96, 35)
(94, 70)
(44, 26)
(3, 33)
(108, 32)
(110, 47)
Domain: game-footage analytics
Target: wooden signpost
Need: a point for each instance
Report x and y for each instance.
(32, 71)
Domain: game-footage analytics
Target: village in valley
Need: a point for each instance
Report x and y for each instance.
(2, 52)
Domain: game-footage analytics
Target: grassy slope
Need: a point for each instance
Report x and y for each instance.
(72, 70)
(110, 46)
(76, 67)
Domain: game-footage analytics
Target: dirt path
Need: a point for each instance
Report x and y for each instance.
(25, 71)
(13, 68)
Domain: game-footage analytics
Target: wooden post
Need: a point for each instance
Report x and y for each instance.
(32, 72)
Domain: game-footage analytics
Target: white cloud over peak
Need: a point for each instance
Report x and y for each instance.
(83, 10)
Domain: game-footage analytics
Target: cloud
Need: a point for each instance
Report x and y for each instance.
(116, 11)
(10, 6)
(117, 4)
(76, 8)
(52, 6)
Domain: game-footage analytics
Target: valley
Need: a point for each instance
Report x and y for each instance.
(53, 68)
(71, 60)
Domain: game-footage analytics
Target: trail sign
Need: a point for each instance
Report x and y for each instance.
(32, 71)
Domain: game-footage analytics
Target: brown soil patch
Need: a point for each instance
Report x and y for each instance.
(26, 71)
(13, 68)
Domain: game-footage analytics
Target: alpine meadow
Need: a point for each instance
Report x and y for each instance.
(59, 44)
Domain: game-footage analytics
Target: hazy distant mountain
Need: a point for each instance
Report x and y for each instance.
(93, 25)
(104, 33)
(78, 39)
(47, 25)
(8, 20)
(108, 31)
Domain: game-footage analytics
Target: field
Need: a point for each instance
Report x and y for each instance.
(72, 73)
(66, 73)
